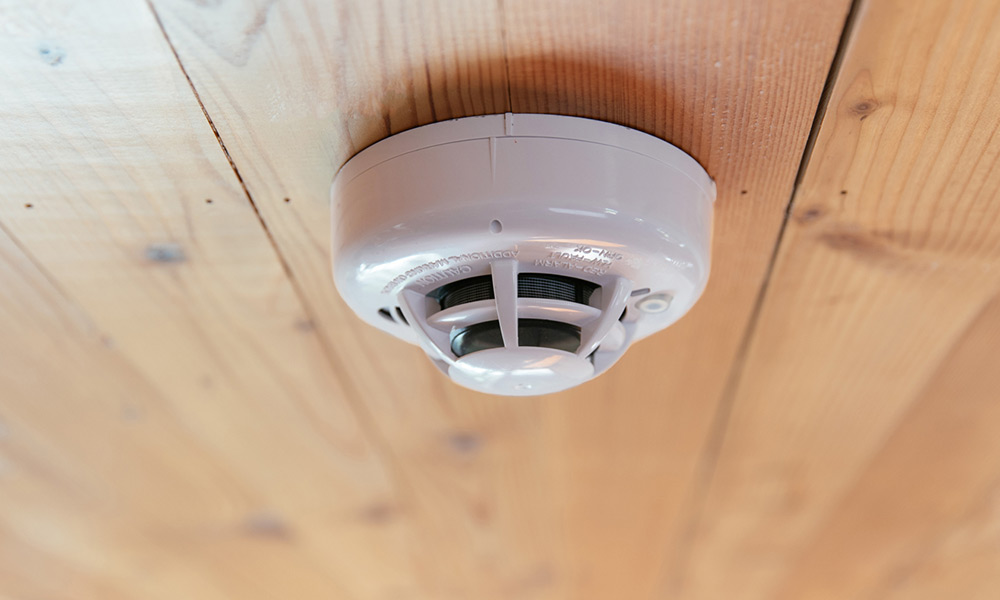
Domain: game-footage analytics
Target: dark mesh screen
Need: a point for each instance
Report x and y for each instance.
(529, 285)
(463, 292)
(530, 332)
(532, 285)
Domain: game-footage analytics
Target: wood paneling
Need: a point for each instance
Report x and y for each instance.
(888, 260)
(187, 409)
(550, 484)
(170, 424)
(923, 519)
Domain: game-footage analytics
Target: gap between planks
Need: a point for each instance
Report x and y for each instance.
(367, 421)
(502, 11)
(674, 574)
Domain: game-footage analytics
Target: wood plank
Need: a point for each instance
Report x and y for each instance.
(923, 520)
(171, 426)
(578, 495)
(337, 77)
(891, 252)
(52, 351)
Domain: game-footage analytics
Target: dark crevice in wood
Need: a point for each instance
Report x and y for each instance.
(501, 9)
(366, 421)
(694, 509)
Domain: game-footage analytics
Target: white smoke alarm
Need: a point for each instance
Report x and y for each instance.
(525, 253)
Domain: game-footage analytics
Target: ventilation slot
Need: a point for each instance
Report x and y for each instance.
(469, 290)
(393, 315)
(530, 332)
(556, 287)
(529, 285)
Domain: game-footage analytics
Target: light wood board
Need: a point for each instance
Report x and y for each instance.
(823, 487)
(171, 426)
(187, 409)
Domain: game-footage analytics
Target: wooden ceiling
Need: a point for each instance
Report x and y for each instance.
(188, 410)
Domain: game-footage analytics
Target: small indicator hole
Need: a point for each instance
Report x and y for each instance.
(496, 226)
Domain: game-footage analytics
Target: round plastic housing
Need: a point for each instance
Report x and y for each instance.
(525, 253)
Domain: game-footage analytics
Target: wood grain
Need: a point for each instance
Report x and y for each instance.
(171, 427)
(923, 519)
(320, 82)
(888, 260)
(188, 410)
(583, 494)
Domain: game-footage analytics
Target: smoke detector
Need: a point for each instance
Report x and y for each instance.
(524, 253)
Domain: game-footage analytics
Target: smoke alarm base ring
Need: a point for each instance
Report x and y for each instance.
(515, 222)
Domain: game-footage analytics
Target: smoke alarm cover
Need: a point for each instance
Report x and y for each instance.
(523, 252)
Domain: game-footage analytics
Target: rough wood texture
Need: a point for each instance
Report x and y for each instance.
(852, 448)
(541, 489)
(170, 425)
(187, 409)
(923, 520)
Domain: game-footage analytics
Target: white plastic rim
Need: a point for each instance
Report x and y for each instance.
(502, 197)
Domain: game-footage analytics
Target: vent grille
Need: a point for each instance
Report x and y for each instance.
(473, 289)
(530, 332)
(529, 285)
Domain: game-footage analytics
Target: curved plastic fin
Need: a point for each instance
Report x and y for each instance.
(415, 309)
(613, 301)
